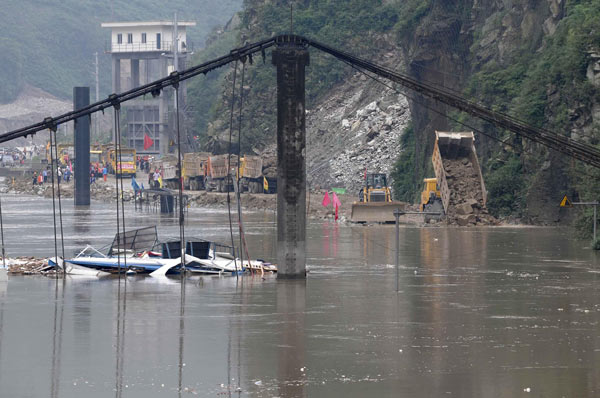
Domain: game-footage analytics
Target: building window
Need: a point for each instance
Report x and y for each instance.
(119, 39)
(158, 41)
(144, 38)
(129, 38)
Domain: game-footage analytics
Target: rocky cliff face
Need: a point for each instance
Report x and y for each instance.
(456, 44)
(456, 40)
(356, 128)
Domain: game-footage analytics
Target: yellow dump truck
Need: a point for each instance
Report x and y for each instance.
(250, 174)
(450, 151)
(194, 170)
(375, 201)
(125, 166)
(219, 171)
(66, 153)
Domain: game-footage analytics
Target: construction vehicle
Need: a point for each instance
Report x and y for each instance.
(194, 170)
(124, 166)
(66, 153)
(219, 171)
(250, 174)
(375, 201)
(168, 167)
(96, 156)
(431, 197)
(456, 148)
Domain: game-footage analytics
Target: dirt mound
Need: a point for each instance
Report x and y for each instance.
(466, 205)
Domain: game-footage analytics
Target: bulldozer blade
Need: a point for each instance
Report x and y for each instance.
(375, 212)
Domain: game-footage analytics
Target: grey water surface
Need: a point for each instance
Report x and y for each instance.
(481, 312)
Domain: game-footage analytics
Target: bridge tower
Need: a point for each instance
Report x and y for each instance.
(291, 58)
(141, 53)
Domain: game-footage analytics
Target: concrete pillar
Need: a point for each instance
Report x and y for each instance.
(81, 98)
(291, 57)
(135, 73)
(116, 75)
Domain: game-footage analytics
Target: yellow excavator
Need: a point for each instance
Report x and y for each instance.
(375, 201)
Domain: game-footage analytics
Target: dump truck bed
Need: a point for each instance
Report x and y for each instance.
(252, 167)
(454, 145)
(218, 165)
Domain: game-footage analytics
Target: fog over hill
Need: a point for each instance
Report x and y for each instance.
(51, 44)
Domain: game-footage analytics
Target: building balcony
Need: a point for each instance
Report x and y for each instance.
(150, 46)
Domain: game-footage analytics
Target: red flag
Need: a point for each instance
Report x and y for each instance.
(336, 204)
(336, 201)
(148, 142)
(326, 200)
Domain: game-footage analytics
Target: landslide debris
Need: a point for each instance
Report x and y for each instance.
(466, 205)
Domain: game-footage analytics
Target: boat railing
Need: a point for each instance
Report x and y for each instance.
(90, 251)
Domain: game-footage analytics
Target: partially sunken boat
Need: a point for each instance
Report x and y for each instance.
(139, 251)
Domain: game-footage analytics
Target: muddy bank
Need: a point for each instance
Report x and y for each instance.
(105, 191)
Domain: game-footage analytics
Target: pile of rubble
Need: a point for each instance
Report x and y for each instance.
(466, 205)
(29, 266)
(358, 126)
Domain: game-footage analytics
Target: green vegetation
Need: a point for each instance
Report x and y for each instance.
(50, 45)
(406, 186)
(505, 185)
(547, 88)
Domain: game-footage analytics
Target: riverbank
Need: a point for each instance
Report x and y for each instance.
(105, 191)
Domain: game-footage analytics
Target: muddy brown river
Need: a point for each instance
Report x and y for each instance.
(480, 312)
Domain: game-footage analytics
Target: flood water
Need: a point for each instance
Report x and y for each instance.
(480, 312)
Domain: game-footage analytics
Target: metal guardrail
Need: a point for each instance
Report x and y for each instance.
(149, 46)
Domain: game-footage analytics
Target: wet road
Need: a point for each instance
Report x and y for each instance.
(496, 312)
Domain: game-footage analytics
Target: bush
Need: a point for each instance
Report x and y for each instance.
(405, 181)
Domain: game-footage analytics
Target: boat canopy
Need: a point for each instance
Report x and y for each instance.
(134, 241)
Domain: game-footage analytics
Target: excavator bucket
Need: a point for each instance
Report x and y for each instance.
(375, 212)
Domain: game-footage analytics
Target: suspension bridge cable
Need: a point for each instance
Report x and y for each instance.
(229, 165)
(54, 207)
(62, 236)
(562, 144)
(120, 178)
(414, 98)
(153, 88)
(516, 149)
(180, 188)
(239, 166)
(117, 107)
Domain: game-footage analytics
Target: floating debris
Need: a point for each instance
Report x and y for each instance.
(29, 266)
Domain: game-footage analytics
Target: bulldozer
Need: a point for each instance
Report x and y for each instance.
(375, 201)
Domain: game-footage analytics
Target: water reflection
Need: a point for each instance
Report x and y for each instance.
(291, 303)
(481, 312)
(57, 337)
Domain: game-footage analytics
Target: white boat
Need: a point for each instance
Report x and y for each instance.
(75, 269)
